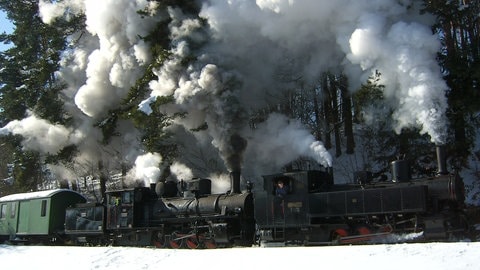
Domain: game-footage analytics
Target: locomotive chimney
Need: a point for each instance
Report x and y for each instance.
(235, 182)
(331, 181)
(441, 159)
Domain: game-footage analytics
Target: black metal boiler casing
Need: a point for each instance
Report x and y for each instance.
(448, 187)
(210, 205)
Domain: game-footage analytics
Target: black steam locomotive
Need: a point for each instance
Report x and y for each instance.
(317, 211)
(143, 217)
(314, 211)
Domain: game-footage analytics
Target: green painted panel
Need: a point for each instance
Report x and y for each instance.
(38, 213)
(38, 220)
(8, 222)
(23, 217)
(33, 218)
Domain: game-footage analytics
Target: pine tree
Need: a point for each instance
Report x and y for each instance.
(27, 79)
(459, 29)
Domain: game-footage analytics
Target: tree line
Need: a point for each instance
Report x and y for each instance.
(28, 84)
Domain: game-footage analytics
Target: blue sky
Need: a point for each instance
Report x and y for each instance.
(5, 26)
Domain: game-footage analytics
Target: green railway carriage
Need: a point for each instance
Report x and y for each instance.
(35, 216)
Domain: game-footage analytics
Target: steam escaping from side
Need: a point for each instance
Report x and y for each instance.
(181, 171)
(220, 183)
(280, 140)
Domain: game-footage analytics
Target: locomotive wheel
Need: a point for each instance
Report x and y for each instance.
(363, 230)
(158, 240)
(337, 234)
(174, 242)
(192, 242)
(209, 243)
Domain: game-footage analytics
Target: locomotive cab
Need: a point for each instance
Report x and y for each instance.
(126, 208)
(293, 206)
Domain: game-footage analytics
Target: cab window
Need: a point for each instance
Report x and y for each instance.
(127, 198)
(44, 208)
(13, 209)
(3, 211)
(286, 182)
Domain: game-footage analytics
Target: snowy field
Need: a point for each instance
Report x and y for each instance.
(432, 256)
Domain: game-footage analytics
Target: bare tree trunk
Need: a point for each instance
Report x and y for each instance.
(318, 120)
(335, 116)
(326, 111)
(347, 114)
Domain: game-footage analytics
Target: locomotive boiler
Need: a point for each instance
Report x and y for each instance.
(318, 211)
(190, 217)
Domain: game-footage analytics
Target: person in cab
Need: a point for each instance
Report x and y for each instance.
(281, 191)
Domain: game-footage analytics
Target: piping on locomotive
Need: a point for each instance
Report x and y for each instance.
(315, 211)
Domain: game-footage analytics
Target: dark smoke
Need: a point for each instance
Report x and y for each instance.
(235, 69)
(235, 157)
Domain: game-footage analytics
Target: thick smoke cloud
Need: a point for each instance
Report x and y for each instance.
(405, 54)
(250, 41)
(238, 70)
(41, 135)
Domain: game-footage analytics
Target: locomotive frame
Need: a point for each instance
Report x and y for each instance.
(315, 211)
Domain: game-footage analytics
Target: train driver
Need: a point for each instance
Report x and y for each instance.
(281, 190)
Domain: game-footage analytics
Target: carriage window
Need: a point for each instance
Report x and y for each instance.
(13, 208)
(44, 208)
(3, 211)
(127, 197)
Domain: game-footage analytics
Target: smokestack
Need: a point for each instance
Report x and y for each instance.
(441, 160)
(235, 182)
(331, 180)
(153, 186)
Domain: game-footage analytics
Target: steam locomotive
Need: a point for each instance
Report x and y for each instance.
(315, 211)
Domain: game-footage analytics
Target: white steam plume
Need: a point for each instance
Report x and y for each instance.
(405, 54)
(147, 168)
(103, 63)
(112, 48)
(280, 140)
(249, 41)
(181, 171)
(41, 135)
(236, 70)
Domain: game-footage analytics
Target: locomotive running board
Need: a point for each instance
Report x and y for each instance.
(361, 238)
(354, 239)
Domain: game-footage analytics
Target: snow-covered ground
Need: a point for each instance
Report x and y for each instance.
(431, 256)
